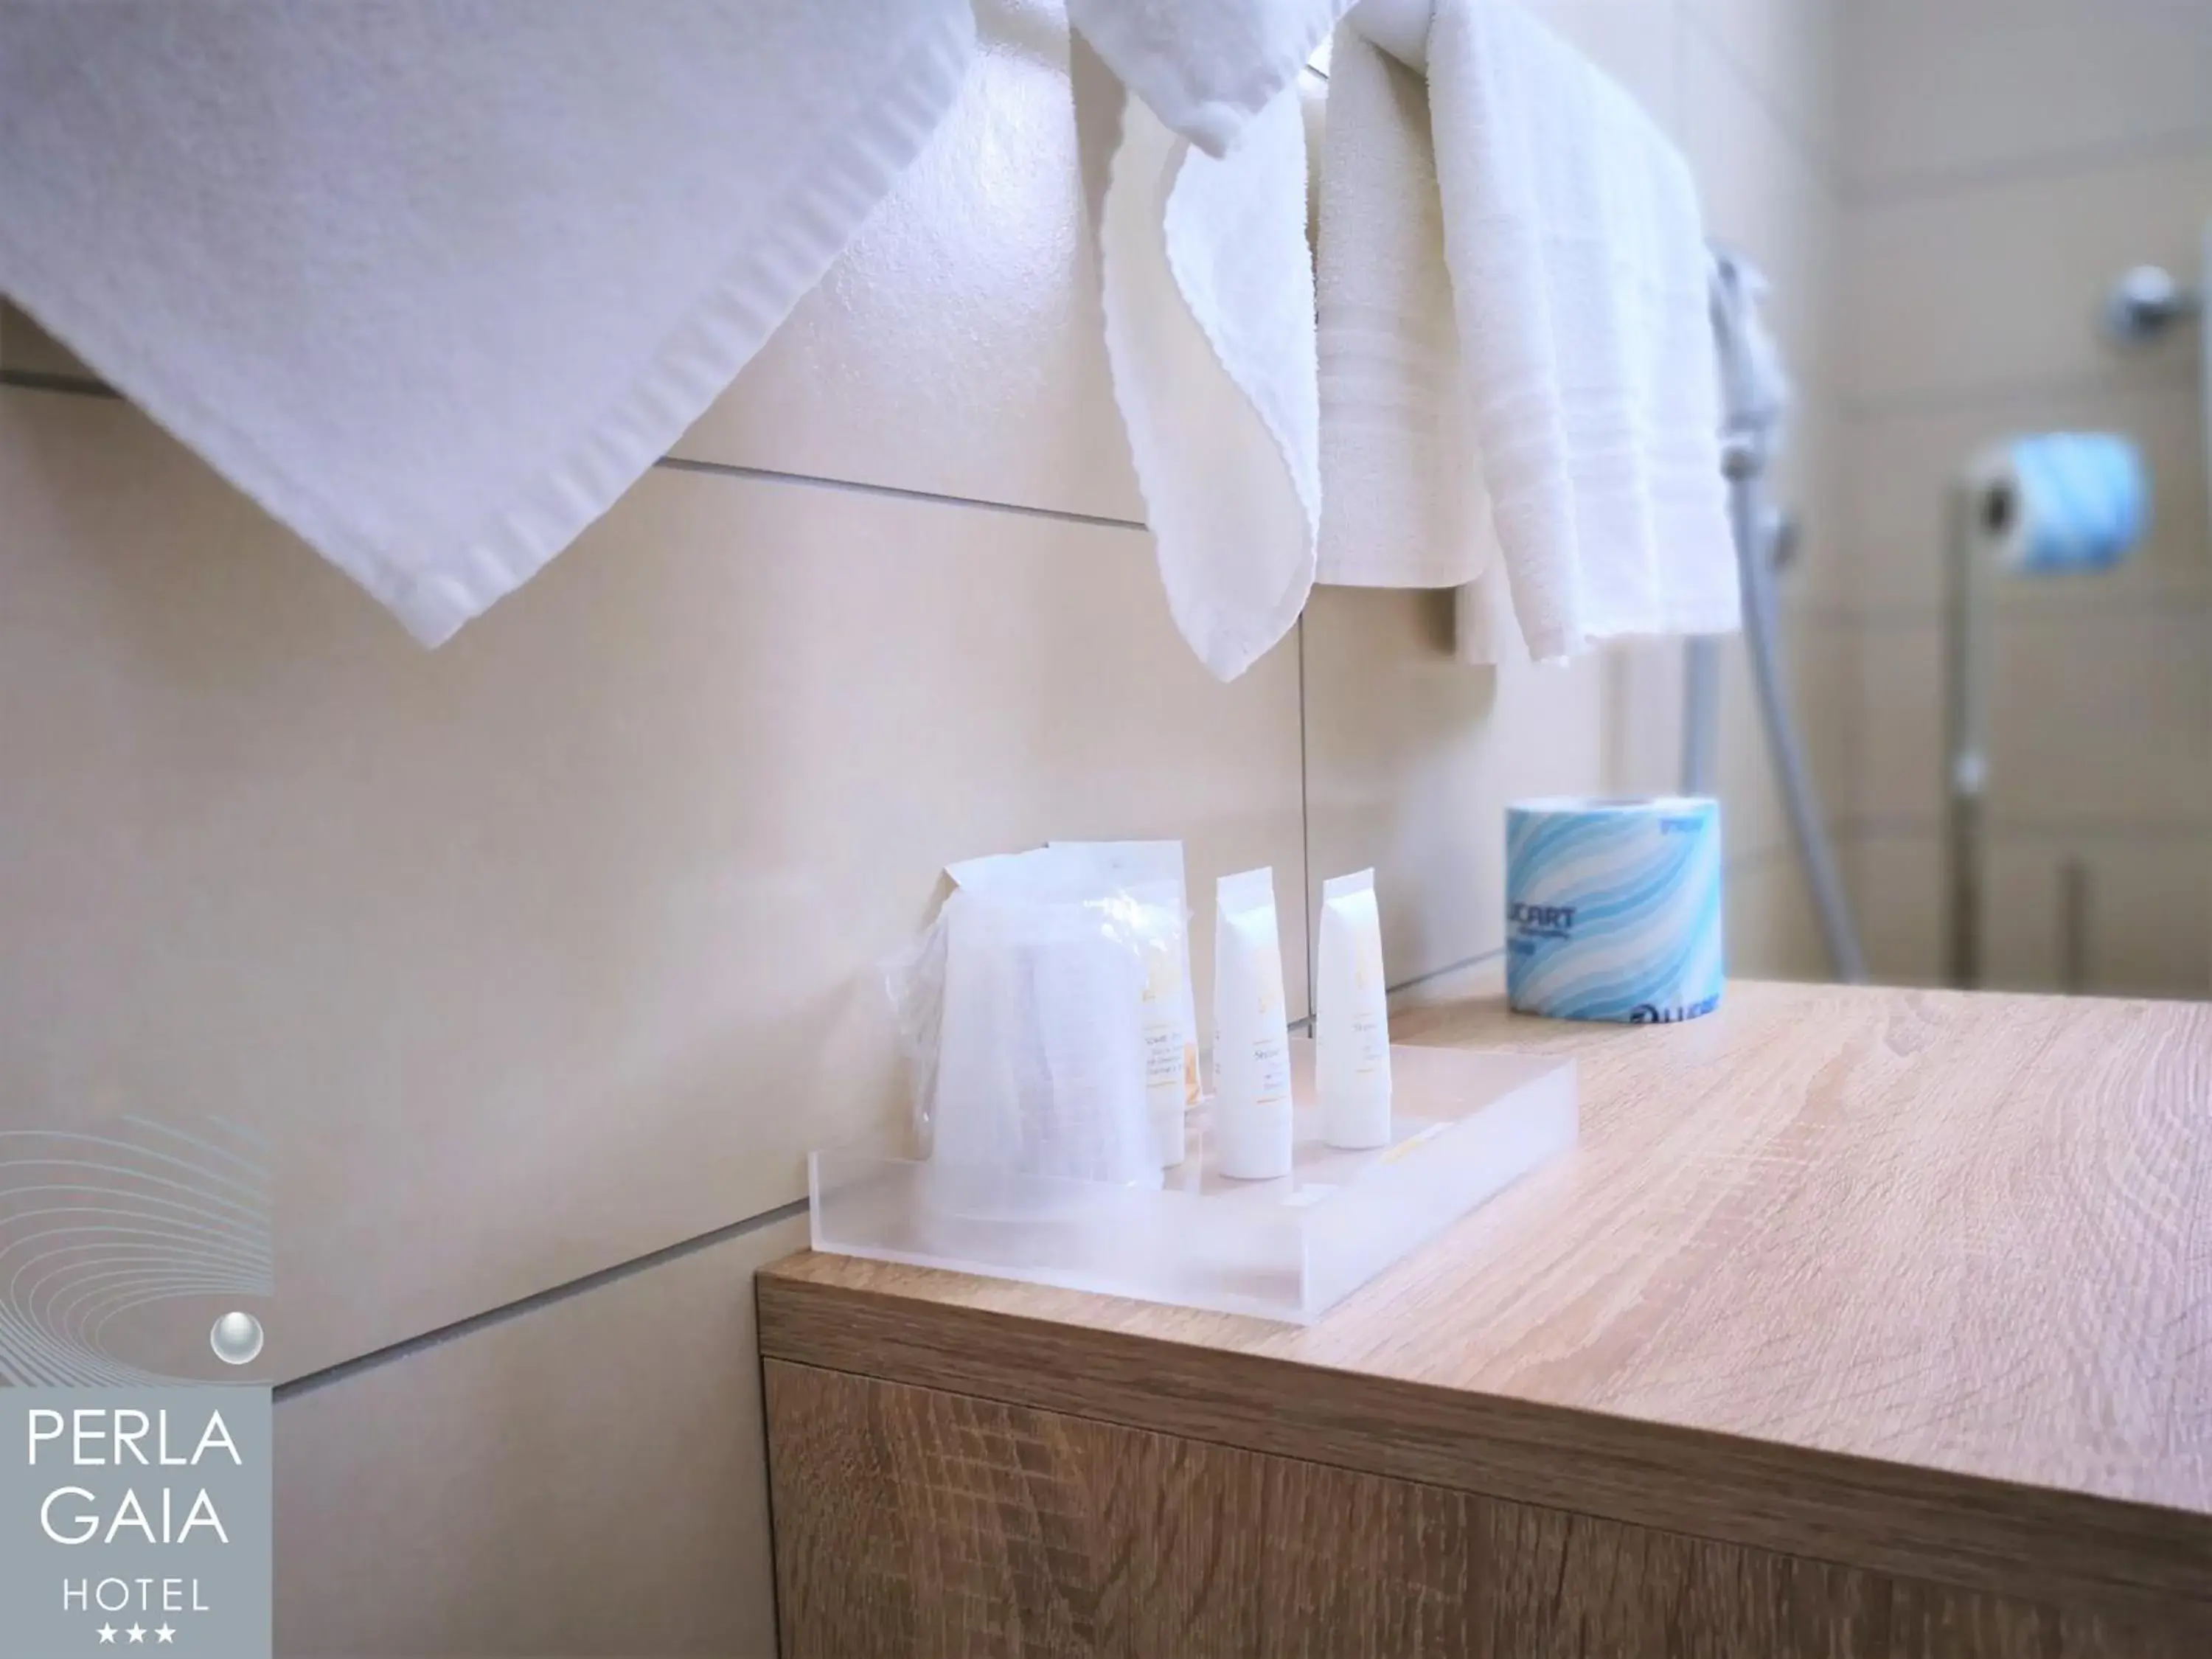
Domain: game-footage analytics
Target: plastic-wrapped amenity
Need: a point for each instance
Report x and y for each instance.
(1021, 1012)
(1149, 872)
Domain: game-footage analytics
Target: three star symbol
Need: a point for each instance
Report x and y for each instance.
(137, 1633)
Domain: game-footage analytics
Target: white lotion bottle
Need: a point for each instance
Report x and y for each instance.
(1252, 1133)
(1351, 1018)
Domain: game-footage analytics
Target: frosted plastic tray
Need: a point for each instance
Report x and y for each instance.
(1466, 1123)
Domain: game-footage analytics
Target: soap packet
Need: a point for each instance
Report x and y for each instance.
(1021, 1009)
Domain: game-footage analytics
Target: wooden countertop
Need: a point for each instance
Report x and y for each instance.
(1917, 1281)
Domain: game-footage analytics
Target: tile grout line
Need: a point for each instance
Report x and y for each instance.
(2028, 830)
(1449, 968)
(394, 1353)
(2179, 145)
(25, 380)
(2181, 604)
(377, 1358)
(1992, 399)
(895, 492)
(346, 1371)
(68, 386)
(1306, 836)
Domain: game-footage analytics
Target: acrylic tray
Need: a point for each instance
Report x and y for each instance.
(1465, 1123)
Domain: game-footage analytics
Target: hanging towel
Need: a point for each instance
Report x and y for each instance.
(1206, 68)
(1518, 212)
(1402, 499)
(1208, 289)
(434, 283)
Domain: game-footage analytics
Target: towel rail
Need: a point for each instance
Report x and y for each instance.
(1399, 27)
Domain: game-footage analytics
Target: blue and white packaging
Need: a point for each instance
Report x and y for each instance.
(1613, 907)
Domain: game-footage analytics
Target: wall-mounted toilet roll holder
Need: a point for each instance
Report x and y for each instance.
(2073, 503)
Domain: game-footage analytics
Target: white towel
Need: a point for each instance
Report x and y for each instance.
(1206, 68)
(434, 283)
(1583, 400)
(1208, 289)
(1402, 504)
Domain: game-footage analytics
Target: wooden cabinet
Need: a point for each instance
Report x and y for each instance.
(1863, 1322)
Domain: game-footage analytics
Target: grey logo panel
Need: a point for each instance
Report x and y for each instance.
(135, 1506)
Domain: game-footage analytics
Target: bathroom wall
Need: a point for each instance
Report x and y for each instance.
(541, 960)
(2002, 166)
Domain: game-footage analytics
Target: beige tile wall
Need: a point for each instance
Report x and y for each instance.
(2004, 165)
(1933, 91)
(1896, 888)
(553, 950)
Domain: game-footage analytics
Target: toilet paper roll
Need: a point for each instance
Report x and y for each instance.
(1613, 907)
(2059, 501)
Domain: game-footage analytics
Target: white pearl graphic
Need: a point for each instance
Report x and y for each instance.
(236, 1339)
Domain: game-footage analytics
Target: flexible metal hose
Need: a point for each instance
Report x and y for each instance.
(1752, 395)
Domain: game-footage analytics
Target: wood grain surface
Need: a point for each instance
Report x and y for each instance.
(911, 1522)
(1919, 1282)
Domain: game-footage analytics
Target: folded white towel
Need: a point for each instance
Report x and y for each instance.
(1208, 289)
(1583, 398)
(434, 283)
(1206, 67)
(1402, 503)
